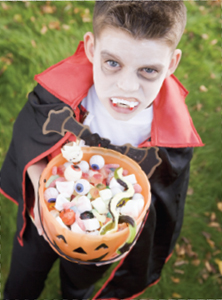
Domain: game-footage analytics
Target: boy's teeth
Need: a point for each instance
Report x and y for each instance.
(122, 102)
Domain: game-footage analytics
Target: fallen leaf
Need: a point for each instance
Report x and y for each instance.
(214, 224)
(205, 36)
(190, 191)
(219, 204)
(65, 26)
(54, 25)
(216, 252)
(195, 262)
(175, 279)
(208, 266)
(185, 240)
(44, 29)
(175, 295)
(202, 88)
(213, 216)
(180, 250)
(199, 106)
(178, 271)
(211, 243)
(212, 76)
(32, 18)
(201, 8)
(76, 10)
(33, 43)
(5, 6)
(180, 263)
(207, 213)
(205, 276)
(214, 42)
(48, 9)
(206, 235)
(3, 69)
(219, 263)
(189, 251)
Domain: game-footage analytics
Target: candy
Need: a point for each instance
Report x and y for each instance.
(50, 193)
(67, 216)
(72, 152)
(65, 188)
(99, 205)
(60, 200)
(97, 162)
(84, 166)
(82, 186)
(73, 173)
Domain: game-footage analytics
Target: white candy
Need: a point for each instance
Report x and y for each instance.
(97, 162)
(106, 194)
(65, 187)
(83, 204)
(75, 228)
(132, 208)
(73, 173)
(91, 224)
(50, 193)
(114, 183)
(84, 166)
(72, 152)
(100, 205)
(115, 190)
(61, 222)
(137, 196)
(130, 178)
(60, 200)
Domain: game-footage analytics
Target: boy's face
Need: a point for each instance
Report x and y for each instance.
(128, 73)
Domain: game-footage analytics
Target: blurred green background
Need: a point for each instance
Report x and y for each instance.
(36, 35)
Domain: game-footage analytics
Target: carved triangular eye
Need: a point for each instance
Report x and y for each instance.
(104, 246)
(79, 250)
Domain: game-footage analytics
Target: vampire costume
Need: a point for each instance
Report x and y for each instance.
(53, 116)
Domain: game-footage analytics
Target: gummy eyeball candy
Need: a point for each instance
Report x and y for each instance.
(82, 186)
(97, 162)
(73, 173)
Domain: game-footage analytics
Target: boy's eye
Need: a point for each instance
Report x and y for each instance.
(112, 63)
(149, 70)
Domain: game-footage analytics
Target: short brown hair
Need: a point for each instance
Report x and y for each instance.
(142, 19)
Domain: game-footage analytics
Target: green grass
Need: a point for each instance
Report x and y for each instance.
(26, 50)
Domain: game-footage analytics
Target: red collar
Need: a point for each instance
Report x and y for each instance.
(70, 80)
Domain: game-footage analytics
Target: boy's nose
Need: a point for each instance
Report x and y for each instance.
(128, 83)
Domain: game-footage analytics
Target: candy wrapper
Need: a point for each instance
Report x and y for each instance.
(93, 203)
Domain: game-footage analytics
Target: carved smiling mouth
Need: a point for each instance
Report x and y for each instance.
(124, 103)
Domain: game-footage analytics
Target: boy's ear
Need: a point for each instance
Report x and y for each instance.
(89, 45)
(174, 62)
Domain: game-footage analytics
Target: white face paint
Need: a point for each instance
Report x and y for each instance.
(128, 73)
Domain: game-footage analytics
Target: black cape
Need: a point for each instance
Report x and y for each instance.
(169, 182)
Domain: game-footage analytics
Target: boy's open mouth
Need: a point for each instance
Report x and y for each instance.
(130, 104)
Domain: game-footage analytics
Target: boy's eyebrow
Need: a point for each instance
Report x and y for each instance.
(156, 65)
(107, 53)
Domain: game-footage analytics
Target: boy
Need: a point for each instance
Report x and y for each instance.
(119, 84)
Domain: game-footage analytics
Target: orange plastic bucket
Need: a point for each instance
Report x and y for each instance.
(83, 248)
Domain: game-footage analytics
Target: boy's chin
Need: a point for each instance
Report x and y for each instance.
(122, 116)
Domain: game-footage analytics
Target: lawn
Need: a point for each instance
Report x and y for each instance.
(36, 35)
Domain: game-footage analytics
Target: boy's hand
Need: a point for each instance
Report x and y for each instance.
(34, 173)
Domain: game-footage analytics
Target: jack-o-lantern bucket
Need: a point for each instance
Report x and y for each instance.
(84, 248)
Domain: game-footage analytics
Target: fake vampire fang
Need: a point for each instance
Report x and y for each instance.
(124, 103)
